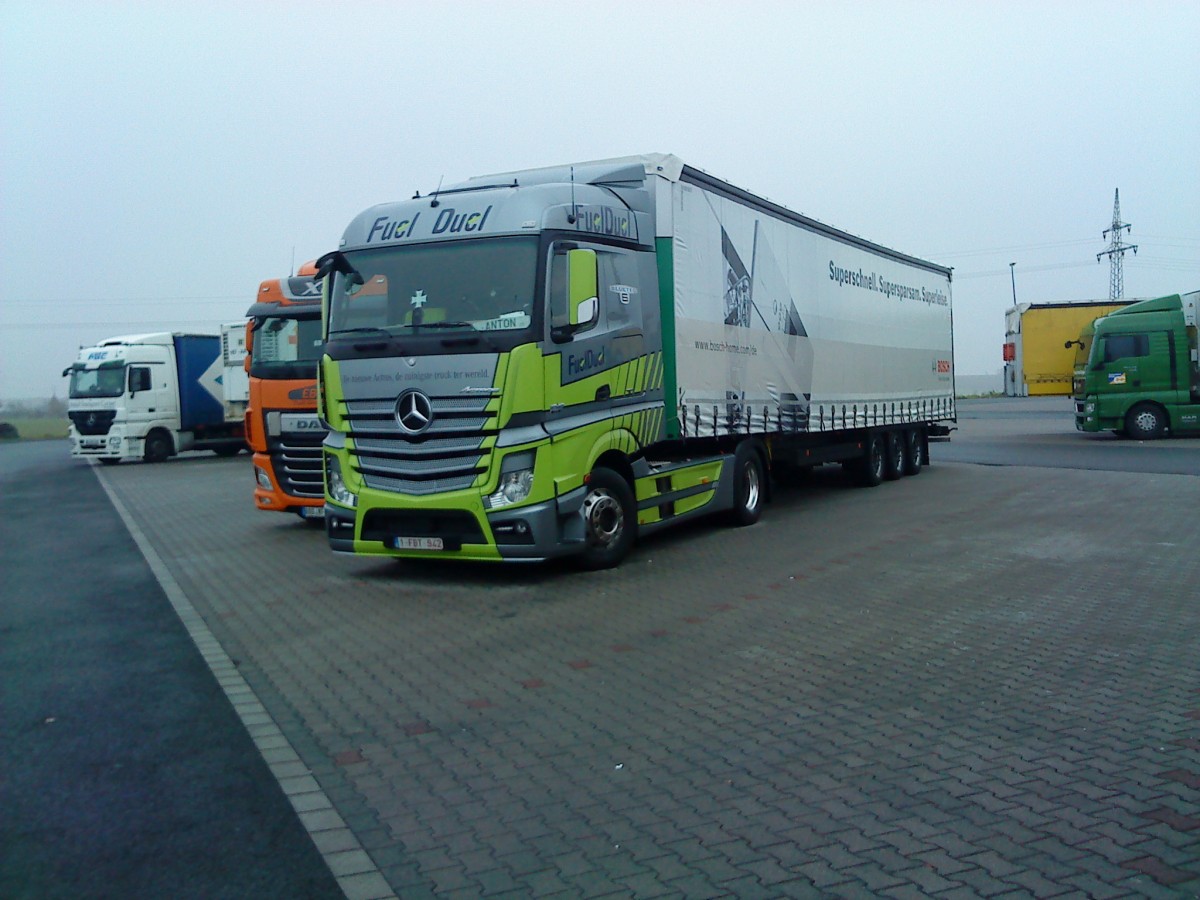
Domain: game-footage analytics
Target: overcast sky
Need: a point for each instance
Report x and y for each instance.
(160, 159)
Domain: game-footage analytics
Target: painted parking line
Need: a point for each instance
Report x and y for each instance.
(352, 867)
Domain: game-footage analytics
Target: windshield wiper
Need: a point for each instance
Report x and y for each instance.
(443, 325)
(363, 329)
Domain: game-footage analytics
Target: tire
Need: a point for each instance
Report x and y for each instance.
(158, 447)
(609, 520)
(229, 450)
(915, 452)
(896, 460)
(869, 469)
(748, 486)
(1146, 422)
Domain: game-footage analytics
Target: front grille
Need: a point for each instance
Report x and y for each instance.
(92, 421)
(449, 455)
(296, 459)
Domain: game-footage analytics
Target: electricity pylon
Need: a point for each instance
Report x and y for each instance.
(1116, 251)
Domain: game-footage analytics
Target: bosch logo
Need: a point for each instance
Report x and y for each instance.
(414, 412)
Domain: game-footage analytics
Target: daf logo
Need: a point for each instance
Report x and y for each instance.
(414, 412)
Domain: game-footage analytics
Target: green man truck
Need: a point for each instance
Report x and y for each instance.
(556, 361)
(1137, 370)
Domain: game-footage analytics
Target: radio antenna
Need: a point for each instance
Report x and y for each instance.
(571, 215)
(436, 191)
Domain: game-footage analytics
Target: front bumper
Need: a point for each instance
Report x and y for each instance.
(113, 445)
(533, 533)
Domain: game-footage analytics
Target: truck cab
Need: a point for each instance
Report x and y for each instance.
(283, 338)
(151, 396)
(1136, 370)
(120, 391)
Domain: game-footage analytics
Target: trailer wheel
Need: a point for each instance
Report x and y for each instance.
(869, 469)
(609, 520)
(897, 455)
(747, 486)
(915, 451)
(158, 447)
(1146, 422)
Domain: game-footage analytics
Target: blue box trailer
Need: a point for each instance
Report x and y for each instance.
(199, 407)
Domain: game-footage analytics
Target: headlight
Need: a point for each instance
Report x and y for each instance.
(338, 492)
(1090, 406)
(264, 480)
(516, 481)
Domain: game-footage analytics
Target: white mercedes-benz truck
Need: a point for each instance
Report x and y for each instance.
(151, 396)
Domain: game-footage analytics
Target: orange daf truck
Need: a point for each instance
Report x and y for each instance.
(283, 343)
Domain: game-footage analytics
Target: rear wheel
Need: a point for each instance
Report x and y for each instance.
(158, 447)
(915, 452)
(747, 486)
(1146, 422)
(609, 520)
(897, 455)
(869, 470)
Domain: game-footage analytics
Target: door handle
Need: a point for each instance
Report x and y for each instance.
(603, 392)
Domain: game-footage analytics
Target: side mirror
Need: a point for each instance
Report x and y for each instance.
(582, 288)
(335, 261)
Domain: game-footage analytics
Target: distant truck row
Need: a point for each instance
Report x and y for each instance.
(554, 362)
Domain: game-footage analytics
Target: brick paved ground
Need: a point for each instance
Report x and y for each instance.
(981, 682)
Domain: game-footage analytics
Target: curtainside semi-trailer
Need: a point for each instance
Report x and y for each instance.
(554, 362)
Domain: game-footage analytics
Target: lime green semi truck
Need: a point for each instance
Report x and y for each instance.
(554, 362)
(1137, 370)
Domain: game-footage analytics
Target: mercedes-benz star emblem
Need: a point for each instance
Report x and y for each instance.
(414, 412)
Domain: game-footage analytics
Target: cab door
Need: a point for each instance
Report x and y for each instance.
(591, 369)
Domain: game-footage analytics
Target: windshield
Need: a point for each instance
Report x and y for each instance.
(484, 285)
(1083, 347)
(284, 341)
(106, 381)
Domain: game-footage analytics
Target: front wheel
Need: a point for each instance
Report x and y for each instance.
(747, 486)
(1146, 422)
(609, 520)
(158, 447)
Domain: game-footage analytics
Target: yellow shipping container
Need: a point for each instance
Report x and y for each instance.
(1036, 333)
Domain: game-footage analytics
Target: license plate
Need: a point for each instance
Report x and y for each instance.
(417, 543)
(312, 512)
